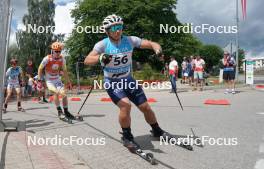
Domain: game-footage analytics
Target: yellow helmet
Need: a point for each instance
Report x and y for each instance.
(57, 46)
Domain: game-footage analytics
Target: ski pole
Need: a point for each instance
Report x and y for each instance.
(174, 89)
(90, 91)
(176, 95)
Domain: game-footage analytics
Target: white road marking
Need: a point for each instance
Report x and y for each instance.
(261, 148)
(259, 164)
(260, 113)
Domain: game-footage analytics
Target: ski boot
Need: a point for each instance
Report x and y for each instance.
(4, 110)
(133, 147)
(44, 100)
(63, 117)
(128, 142)
(20, 109)
(72, 117)
(69, 115)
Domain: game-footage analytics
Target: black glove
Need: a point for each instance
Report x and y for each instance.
(104, 59)
(159, 52)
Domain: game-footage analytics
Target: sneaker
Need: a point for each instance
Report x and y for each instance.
(233, 91)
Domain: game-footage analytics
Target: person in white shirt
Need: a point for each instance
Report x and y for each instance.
(173, 73)
(198, 72)
(184, 67)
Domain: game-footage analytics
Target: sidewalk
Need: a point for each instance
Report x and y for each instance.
(18, 151)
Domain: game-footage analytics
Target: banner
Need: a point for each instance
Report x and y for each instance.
(244, 8)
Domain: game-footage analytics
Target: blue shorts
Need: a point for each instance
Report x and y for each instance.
(125, 87)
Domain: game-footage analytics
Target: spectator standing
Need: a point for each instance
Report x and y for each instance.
(173, 72)
(199, 65)
(229, 73)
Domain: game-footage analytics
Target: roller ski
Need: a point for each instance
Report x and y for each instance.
(198, 140)
(72, 117)
(64, 118)
(20, 109)
(133, 147)
(167, 137)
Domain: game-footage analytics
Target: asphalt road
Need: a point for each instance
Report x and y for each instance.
(242, 120)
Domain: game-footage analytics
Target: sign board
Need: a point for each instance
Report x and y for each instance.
(250, 72)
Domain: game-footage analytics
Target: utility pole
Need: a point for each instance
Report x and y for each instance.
(237, 42)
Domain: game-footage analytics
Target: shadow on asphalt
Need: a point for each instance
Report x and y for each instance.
(117, 140)
(37, 123)
(93, 115)
(145, 143)
(3, 152)
(36, 108)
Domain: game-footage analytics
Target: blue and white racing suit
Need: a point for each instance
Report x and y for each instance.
(118, 72)
(12, 75)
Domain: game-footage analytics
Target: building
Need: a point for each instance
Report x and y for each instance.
(258, 62)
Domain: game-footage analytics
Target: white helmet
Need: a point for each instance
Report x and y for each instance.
(112, 20)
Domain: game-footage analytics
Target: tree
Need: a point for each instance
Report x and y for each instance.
(241, 56)
(142, 18)
(35, 44)
(13, 52)
(211, 55)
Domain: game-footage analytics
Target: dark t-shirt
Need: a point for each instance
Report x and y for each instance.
(29, 70)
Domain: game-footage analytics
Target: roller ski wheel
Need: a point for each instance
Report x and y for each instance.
(134, 148)
(20, 109)
(167, 136)
(149, 157)
(65, 119)
(78, 118)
